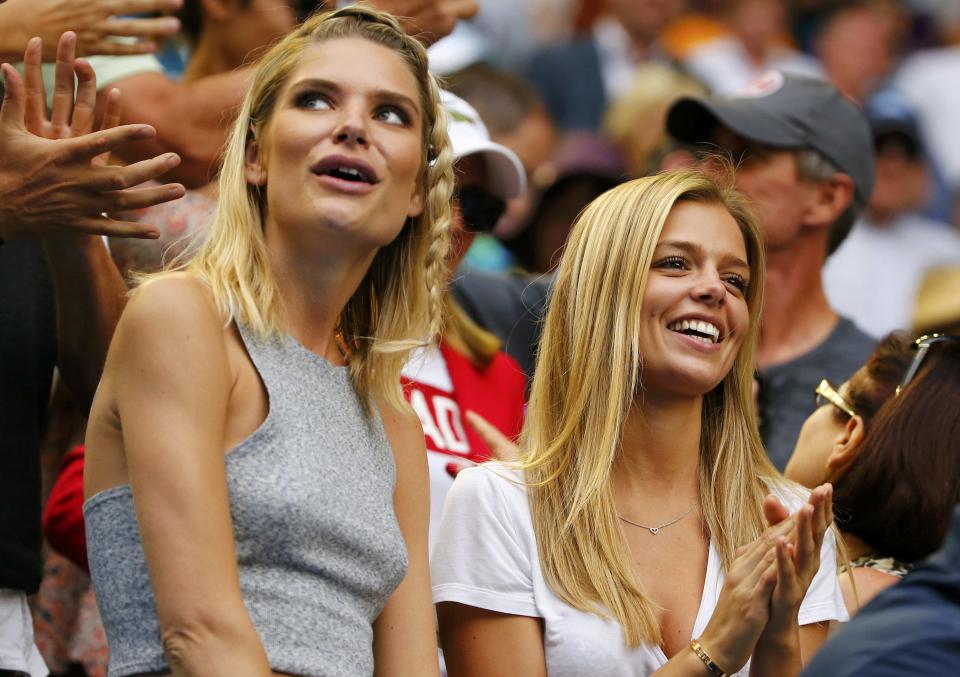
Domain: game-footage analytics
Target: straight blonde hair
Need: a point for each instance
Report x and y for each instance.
(579, 404)
(399, 303)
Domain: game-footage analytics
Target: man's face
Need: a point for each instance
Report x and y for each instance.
(770, 179)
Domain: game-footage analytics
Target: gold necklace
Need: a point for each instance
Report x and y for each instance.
(656, 530)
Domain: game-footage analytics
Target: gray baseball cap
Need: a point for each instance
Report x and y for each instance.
(785, 111)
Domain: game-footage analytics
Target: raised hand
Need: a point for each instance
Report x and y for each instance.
(798, 555)
(54, 177)
(780, 648)
(501, 446)
(743, 608)
(96, 23)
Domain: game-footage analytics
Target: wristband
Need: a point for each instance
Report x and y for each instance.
(712, 667)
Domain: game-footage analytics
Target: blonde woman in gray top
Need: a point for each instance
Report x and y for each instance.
(257, 489)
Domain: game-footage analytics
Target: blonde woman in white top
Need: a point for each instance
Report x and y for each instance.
(635, 536)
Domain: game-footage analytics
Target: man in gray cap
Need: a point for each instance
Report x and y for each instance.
(804, 156)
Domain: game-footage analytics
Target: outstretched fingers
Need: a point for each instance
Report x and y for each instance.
(63, 84)
(117, 177)
(14, 98)
(141, 198)
(35, 107)
(83, 109)
(102, 225)
(89, 146)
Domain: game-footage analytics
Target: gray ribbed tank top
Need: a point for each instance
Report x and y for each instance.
(318, 545)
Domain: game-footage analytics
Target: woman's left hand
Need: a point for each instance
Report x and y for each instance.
(798, 557)
(798, 561)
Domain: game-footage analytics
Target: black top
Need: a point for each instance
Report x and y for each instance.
(27, 357)
(910, 629)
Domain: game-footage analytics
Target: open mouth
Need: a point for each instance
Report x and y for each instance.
(698, 329)
(346, 170)
(347, 174)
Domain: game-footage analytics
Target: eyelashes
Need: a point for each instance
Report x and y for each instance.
(679, 263)
(390, 114)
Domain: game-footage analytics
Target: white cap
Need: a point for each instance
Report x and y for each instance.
(469, 136)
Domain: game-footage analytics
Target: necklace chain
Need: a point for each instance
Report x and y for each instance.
(656, 530)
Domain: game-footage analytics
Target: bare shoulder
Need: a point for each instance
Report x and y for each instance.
(171, 323)
(178, 297)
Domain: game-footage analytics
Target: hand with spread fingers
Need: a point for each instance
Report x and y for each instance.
(428, 20)
(55, 177)
(96, 23)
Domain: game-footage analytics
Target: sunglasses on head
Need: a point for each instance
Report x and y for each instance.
(827, 393)
(922, 345)
(479, 208)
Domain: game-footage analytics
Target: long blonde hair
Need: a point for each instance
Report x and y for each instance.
(587, 377)
(399, 303)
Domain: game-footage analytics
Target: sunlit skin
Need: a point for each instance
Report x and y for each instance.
(820, 433)
(769, 178)
(325, 111)
(828, 444)
(699, 269)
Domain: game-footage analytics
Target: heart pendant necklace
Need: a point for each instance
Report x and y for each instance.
(656, 530)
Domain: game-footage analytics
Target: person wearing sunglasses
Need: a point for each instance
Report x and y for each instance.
(889, 441)
(466, 371)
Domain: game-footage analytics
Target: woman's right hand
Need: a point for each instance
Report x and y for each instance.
(743, 608)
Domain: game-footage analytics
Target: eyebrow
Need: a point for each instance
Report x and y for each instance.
(380, 93)
(695, 249)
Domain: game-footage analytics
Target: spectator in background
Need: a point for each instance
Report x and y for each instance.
(637, 120)
(757, 39)
(62, 294)
(96, 23)
(519, 121)
(584, 167)
(222, 37)
(578, 79)
(859, 43)
(911, 629)
(892, 458)
(938, 304)
(874, 276)
(465, 370)
(804, 156)
(930, 79)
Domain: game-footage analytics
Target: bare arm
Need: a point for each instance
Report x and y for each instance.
(482, 643)
(89, 291)
(191, 119)
(428, 20)
(171, 378)
(94, 22)
(468, 633)
(404, 634)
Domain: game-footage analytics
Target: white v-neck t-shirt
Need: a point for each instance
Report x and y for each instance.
(485, 556)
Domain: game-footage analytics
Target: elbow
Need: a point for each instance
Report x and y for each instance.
(209, 646)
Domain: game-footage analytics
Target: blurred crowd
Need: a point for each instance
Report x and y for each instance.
(836, 117)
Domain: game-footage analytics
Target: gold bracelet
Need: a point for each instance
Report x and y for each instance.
(712, 667)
